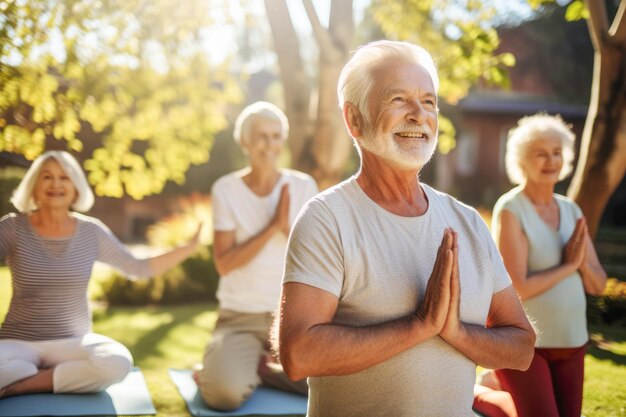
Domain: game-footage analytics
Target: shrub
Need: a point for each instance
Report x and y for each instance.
(195, 279)
(179, 227)
(9, 180)
(610, 308)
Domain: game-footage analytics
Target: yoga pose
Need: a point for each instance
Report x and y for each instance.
(393, 292)
(550, 257)
(46, 340)
(253, 210)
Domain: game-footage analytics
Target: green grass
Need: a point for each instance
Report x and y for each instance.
(605, 373)
(160, 338)
(174, 337)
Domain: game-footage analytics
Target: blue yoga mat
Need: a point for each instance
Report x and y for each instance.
(264, 401)
(129, 397)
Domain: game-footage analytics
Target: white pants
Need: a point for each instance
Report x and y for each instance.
(81, 364)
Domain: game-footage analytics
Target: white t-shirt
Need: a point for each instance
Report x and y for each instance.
(378, 265)
(255, 287)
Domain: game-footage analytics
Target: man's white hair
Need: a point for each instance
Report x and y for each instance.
(23, 198)
(258, 110)
(529, 129)
(355, 80)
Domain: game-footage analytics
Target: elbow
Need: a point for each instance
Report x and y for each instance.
(221, 271)
(596, 292)
(221, 268)
(599, 288)
(292, 367)
(293, 372)
(527, 351)
(292, 362)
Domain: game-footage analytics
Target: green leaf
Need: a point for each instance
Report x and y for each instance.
(576, 11)
(447, 135)
(84, 77)
(507, 59)
(535, 4)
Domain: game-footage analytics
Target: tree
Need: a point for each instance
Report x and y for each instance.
(602, 159)
(463, 46)
(126, 84)
(318, 144)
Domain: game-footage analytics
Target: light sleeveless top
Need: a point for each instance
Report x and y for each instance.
(559, 314)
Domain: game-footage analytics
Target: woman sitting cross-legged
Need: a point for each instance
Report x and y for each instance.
(46, 341)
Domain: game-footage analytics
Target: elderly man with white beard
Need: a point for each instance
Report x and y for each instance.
(393, 292)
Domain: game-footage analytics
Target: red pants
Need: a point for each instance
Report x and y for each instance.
(551, 387)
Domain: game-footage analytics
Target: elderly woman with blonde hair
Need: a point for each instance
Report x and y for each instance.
(46, 340)
(543, 240)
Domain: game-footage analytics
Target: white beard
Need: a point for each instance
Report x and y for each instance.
(402, 154)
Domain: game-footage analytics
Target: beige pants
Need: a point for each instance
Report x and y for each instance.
(231, 360)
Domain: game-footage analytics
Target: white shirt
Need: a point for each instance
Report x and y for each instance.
(255, 287)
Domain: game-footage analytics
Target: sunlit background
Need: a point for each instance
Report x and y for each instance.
(145, 93)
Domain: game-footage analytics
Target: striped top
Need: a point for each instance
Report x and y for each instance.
(50, 276)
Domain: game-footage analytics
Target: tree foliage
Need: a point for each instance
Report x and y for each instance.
(576, 9)
(126, 84)
(455, 31)
(459, 36)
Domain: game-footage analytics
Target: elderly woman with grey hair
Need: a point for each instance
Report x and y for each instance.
(46, 340)
(543, 240)
(253, 210)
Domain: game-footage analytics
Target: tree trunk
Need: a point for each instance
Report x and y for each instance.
(319, 143)
(602, 162)
(296, 84)
(331, 144)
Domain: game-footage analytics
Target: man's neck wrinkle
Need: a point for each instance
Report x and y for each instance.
(399, 194)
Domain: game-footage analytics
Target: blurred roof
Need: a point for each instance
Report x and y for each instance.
(515, 103)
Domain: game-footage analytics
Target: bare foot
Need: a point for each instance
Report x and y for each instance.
(7, 391)
(268, 365)
(263, 366)
(196, 377)
(197, 368)
(489, 379)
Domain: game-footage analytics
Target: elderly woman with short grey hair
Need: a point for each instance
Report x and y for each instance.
(253, 210)
(46, 340)
(543, 240)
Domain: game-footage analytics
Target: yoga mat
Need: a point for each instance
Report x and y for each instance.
(264, 401)
(129, 397)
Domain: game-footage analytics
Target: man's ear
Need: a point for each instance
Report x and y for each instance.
(353, 119)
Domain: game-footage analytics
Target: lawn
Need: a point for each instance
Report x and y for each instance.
(160, 338)
(174, 337)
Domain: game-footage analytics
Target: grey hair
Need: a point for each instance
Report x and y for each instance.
(22, 197)
(529, 129)
(355, 80)
(258, 110)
